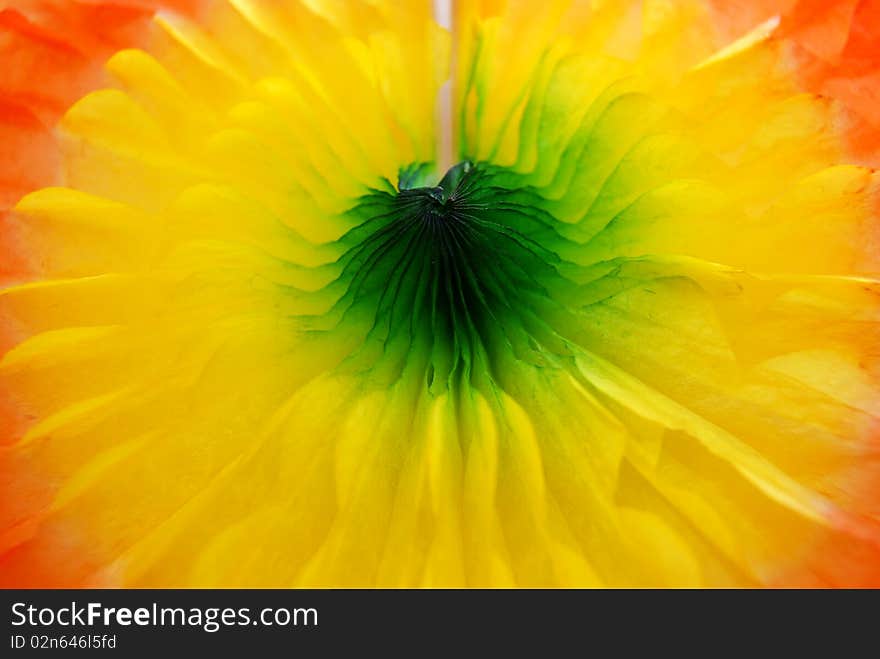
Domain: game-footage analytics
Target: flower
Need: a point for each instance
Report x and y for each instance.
(572, 293)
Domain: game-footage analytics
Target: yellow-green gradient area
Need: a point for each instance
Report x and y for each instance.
(627, 339)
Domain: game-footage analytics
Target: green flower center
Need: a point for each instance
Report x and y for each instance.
(451, 279)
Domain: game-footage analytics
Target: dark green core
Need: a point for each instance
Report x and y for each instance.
(452, 278)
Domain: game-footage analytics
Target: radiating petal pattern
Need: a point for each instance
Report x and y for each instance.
(258, 332)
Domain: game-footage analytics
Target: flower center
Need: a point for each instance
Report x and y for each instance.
(450, 278)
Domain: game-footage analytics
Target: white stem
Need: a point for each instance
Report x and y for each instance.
(443, 16)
